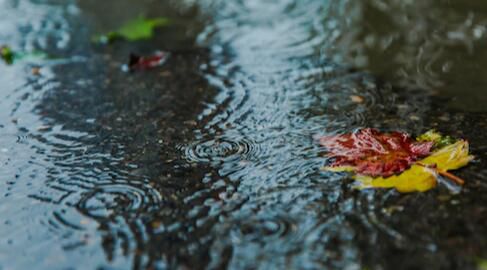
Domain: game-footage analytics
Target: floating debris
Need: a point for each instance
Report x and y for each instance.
(137, 29)
(137, 62)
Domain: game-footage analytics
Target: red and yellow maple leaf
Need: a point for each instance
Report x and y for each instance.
(395, 160)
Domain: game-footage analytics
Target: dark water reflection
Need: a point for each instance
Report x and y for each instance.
(210, 161)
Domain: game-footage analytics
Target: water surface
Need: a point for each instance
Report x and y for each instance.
(210, 161)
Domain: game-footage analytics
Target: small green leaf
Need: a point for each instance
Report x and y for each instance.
(439, 140)
(137, 29)
(7, 54)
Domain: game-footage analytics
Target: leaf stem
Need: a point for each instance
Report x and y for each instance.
(446, 174)
(452, 177)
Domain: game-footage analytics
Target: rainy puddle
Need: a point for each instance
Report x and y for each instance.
(209, 161)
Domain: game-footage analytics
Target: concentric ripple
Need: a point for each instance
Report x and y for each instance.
(118, 199)
(263, 229)
(222, 150)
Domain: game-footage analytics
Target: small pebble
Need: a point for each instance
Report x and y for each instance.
(190, 123)
(84, 222)
(356, 99)
(44, 128)
(444, 118)
(36, 71)
(414, 117)
(165, 73)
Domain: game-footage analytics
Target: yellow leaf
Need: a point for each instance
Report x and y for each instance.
(436, 137)
(429, 136)
(450, 157)
(420, 178)
(416, 178)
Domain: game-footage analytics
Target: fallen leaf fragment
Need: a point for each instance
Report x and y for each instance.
(450, 157)
(137, 62)
(136, 29)
(417, 178)
(435, 137)
(7, 54)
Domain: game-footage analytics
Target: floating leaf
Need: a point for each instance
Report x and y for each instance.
(450, 157)
(435, 137)
(137, 29)
(417, 178)
(413, 174)
(371, 152)
(7, 54)
(137, 62)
